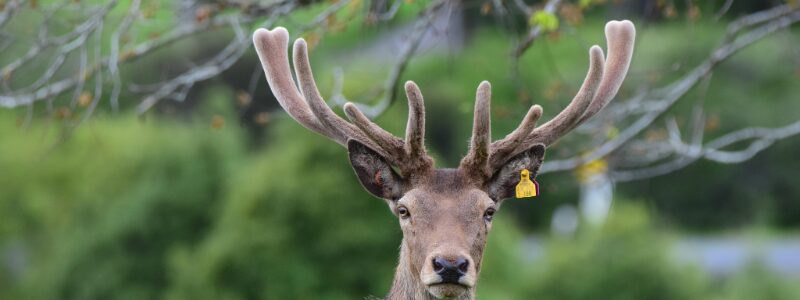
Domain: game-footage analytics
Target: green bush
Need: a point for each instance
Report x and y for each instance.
(130, 210)
(99, 214)
(295, 225)
(757, 282)
(626, 259)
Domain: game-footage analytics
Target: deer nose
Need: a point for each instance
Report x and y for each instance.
(450, 270)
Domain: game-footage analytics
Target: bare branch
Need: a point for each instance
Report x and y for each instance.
(44, 89)
(98, 79)
(664, 98)
(388, 15)
(389, 89)
(686, 154)
(322, 17)
(113, 68)
(67, 63)
(723, 10)
(10, 10)
(178, 87)
(533, 32)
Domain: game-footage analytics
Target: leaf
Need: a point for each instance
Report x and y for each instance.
(545, 20)
(312, 39)
(670, 11)
(243, 98)
(612, 132)
(203, 13)
(7, 74)
(63, 113)
(486, 8)
(262, 118)
(572, 14)
(693, 13)
(712, 123)
(85, 99)
(588, 170)
(217, 122)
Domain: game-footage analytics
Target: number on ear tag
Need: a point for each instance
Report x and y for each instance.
(527, 188)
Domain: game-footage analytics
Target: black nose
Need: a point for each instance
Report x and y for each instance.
(450, 269)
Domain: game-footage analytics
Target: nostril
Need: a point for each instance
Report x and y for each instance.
(451, 270)
(438, 267)
(463, 265)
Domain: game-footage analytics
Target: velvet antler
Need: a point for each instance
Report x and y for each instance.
(601, 84)
(310, 109)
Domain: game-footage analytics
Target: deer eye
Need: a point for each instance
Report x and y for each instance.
(402, 211)
(489, 214)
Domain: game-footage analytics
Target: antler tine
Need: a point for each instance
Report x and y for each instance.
(520, 137)
(502, 148)
(415, 128)
(478, 156)
(621, 36)
(308, 108)
(571, 115)
(271, 48)
(308, 87)
(410, 155)
(391, 144)
(601, 84)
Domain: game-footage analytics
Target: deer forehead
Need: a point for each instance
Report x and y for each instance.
(447, 204)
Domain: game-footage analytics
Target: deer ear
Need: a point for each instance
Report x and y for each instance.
(504, 182)
(374, 173)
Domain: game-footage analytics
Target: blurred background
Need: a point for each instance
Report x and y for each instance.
(142, 155)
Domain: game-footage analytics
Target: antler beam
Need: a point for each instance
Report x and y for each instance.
(601, 84)
(307, 107)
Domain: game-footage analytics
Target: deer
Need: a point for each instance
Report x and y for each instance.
(445, 214)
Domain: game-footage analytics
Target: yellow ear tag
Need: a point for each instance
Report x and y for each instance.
(527, 188)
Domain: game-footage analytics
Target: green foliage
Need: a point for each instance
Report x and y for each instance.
(626, 259)
(296, 225)
(504, 272)
(547, 21)
(99, 213)
(133, 210)
(757, 282)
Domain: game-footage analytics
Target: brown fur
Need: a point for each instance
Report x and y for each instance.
(447, 215)
(446, 220)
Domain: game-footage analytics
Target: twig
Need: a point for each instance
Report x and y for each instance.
(668, 96)
(389, 90)
(178, 87)
(534, 32)
(687, 154)
(723, 10)
(50, 90)
(113, 68)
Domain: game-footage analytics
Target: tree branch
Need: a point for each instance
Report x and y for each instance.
(659, 101)
(389, 89)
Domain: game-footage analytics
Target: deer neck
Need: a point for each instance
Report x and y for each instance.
(407, 284)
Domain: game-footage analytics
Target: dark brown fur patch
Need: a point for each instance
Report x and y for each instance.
(378, 179)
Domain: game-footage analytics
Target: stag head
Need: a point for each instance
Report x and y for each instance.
(445, 214)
